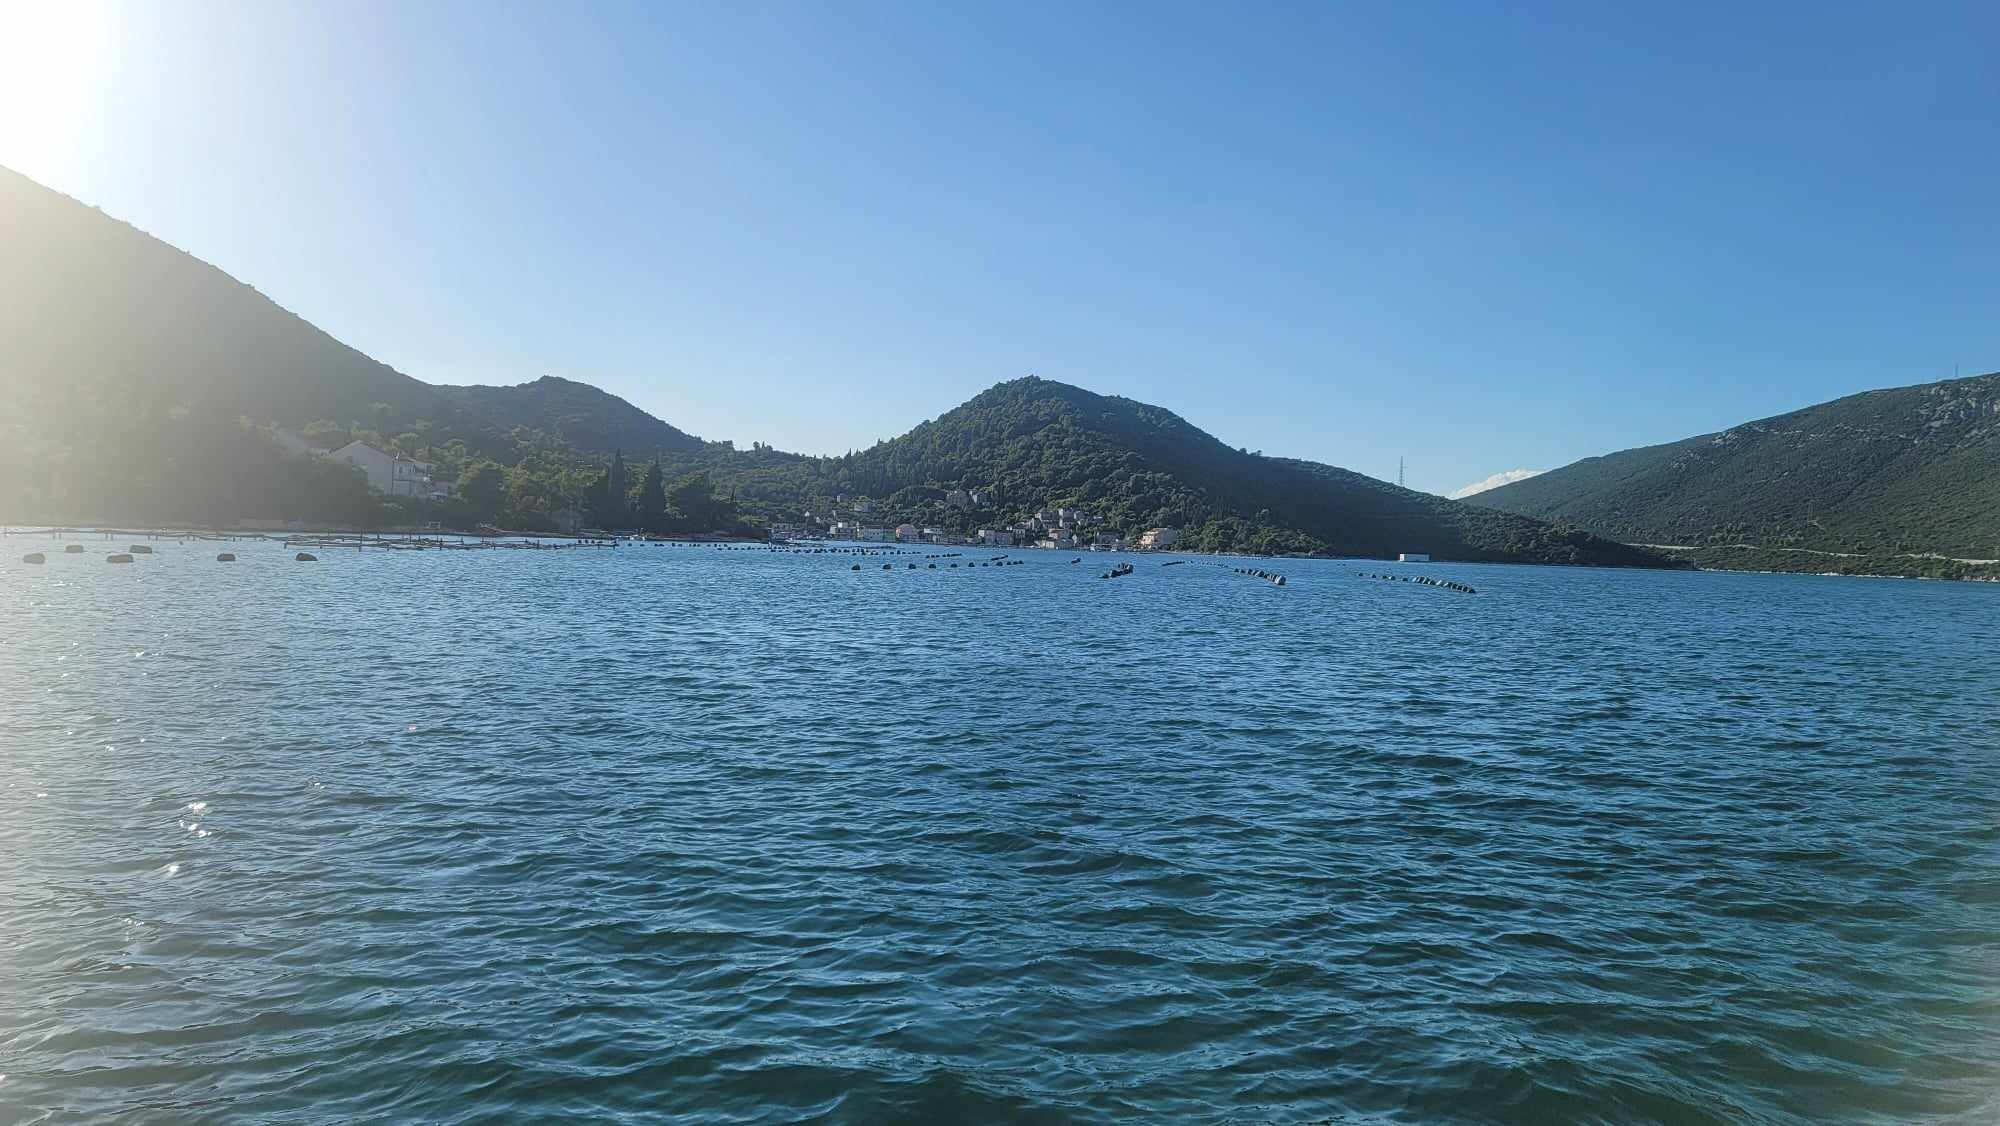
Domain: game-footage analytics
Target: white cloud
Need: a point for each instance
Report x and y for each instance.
(1493, 482)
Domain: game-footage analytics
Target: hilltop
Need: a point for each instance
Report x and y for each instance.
(1036, 442)
(590, 419)
(1878, 482)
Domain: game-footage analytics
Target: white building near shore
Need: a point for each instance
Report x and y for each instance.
(390, 474)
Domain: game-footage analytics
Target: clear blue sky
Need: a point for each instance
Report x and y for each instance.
(1479, 236)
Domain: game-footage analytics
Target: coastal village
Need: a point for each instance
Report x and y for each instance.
(1056, 528)
(848, 518)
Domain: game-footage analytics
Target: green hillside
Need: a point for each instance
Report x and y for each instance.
(1034, 443)
(1883, 475)
(583, 416)
(97, 309)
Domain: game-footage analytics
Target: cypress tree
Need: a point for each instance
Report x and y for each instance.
(652, 507)
(617, 483)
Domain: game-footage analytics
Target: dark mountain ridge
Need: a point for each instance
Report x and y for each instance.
(586, 417)
(1037, 442)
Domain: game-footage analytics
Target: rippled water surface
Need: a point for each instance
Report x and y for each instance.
(739, 836)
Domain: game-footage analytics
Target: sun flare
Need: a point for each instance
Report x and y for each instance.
(55, 56)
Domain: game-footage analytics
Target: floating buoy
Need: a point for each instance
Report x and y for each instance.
(225, 557)
(33, 557)
(302, 557)
(140, 549)
(119, 558)
(73, 549)
(856, 567)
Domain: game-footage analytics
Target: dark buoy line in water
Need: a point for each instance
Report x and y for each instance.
(1419, 580)
(1001, 561)
(1272, 577)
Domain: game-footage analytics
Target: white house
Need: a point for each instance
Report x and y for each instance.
(877, 535)
(390, 474)
(1160, 539)
(908, 533)
(1412, 557)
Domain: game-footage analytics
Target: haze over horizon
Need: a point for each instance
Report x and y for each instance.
(1470, 239)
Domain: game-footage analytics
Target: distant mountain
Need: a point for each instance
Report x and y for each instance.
(1507, 477)
(587, 418)
(1035, 442)
(1904, 472)
(94, 307)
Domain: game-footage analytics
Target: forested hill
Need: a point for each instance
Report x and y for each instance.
(141, 384)
(1035, 442)
(1884, 474)
(99, 316)
(587, 418)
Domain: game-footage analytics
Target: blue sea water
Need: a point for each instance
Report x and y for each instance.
(736, 836)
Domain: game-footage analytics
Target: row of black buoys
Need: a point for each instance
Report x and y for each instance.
(226, 557)
(1272, 577)
(303, 557)
(954, 566)
(1420, 580)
